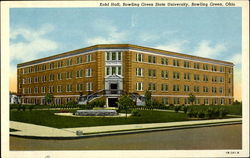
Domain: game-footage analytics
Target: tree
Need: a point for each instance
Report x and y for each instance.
(125, 102)
(148, 98)
(191, 98)
(48, 98)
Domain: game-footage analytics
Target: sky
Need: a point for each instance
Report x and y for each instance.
(208, 32)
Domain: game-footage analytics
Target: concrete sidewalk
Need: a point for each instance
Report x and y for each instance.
(31, 130)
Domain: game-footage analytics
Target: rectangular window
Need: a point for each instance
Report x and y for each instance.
(205, 89)
(214, 89)
(196, 65)
(113, 70)
(222, 69)
(79, 87)
(88, 58)
(119, 56)
(59, 64)
(119, 70)
(151, 59)
(107, 56)
(152, 73)
(51, 77)
(176, 62)
(89, 86)
(43, 89)
(164, 87)
(176, 75)
(79, 60)
(186, 76)
(139, 57)
(164, 74)
(206, 101)
(176, 88)
(186, 64)
(113, 55)
(69, 88)
(107, 70)
(88, 73)
(59, 88)
(205, 67)
(196, 77)
(165, 101)
(59, 76)
(51, 66)
(214, 68)
(151, 86)
(186, 88)
(205, 78)
(196, 89)
(139, 86)
(36, 90)
(139, 72)
(164, 61)
(176, 100)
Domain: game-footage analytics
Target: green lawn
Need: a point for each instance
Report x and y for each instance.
(47, 118)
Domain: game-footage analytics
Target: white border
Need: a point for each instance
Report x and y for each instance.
(117, 153)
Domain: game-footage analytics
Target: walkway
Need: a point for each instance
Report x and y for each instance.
(32, 130)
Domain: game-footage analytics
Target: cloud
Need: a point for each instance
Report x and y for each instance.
(236, 58)
(27, 44)
(205, 49)
(175, 46)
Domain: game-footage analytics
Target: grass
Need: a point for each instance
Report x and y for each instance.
(47, 118)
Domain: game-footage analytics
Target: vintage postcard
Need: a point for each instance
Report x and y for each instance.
(125, 79)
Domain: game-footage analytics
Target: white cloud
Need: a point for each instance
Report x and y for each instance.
(175, 46)
(236, 58)
(31, 44)
(111, 33)
(205, 49)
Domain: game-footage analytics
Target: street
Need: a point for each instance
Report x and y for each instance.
(216, 137)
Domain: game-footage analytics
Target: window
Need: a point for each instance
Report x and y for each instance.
(176, 88)
(89, 86)
(51, 66)
(229, 90)
(186, 64)
(59, 76)
(229, 80)
(119, 56)
(51, 77)
(176, 62)
(113, 55)
(222, 69)
(43, 89)
(214, 78)
(139, 72)
(59, 64)
(107, 70)
(108, 56)
(151, 59)
(214, 89)
(88, 73)
(139, 57)
(59, 88)
(79, 60)
(230, 70)
(114, 70)
(164, 74)
(164, 61)
(222, 101)
(187, 101)
(69, 88)
(36, 90)
(152, 73)
(222, 79)
(36, 68)
(44, 67)
(206, 101)
(214, 101)
(196, 77)
(205, 89)
(79, 87)
(196, 89)
(79, 73)
(176, 100)
(139, 86)
(51, 89)
(69, 75)
(164, 87)
(197, 101)
(196, 65)
(176, 75)
(69, 62)
(221, 90)
(35, 79)
(88, 58)
(44, 78)
(186, 76)
(214, 68)
(186, 88)
(151, 86)
(205, 67)
(205, 78)
(165, 101)
(229, 101)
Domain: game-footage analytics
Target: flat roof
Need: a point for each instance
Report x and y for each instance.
(129, 47)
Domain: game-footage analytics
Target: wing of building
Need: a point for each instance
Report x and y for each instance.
(110, 70)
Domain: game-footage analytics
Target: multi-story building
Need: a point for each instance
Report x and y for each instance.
(110, 70)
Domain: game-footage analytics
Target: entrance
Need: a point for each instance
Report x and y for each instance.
(113, 88)
(113, 102)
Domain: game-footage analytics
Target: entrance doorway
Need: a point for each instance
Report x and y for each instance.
(113, 88)
(112, 102)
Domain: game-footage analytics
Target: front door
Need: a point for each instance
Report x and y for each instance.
(113, 88)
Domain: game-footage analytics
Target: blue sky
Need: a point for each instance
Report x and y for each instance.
(208, 32)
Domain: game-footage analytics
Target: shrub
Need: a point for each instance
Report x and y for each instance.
(201, 114)
(185, 109)
(31, 107)
(177, 108)
(223, 112)
(23, 108)
(135, 112)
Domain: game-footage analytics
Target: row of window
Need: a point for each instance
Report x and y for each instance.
(60, 76)
(198, 101)
(58, 64)
(59, 88)
(177, 88)
(176, 75)
(113, 56)
(176, 62)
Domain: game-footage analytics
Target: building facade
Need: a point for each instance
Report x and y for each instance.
(114, 69)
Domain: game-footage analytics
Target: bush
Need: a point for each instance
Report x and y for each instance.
(185, 109)
(223, 112)
(23, 108)
(31, 107)
(135, 112)
(177, 108)
(201, 114)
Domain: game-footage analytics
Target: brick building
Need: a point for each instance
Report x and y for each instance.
(110, 70)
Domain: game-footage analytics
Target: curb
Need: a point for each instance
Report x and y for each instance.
(129, 131)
